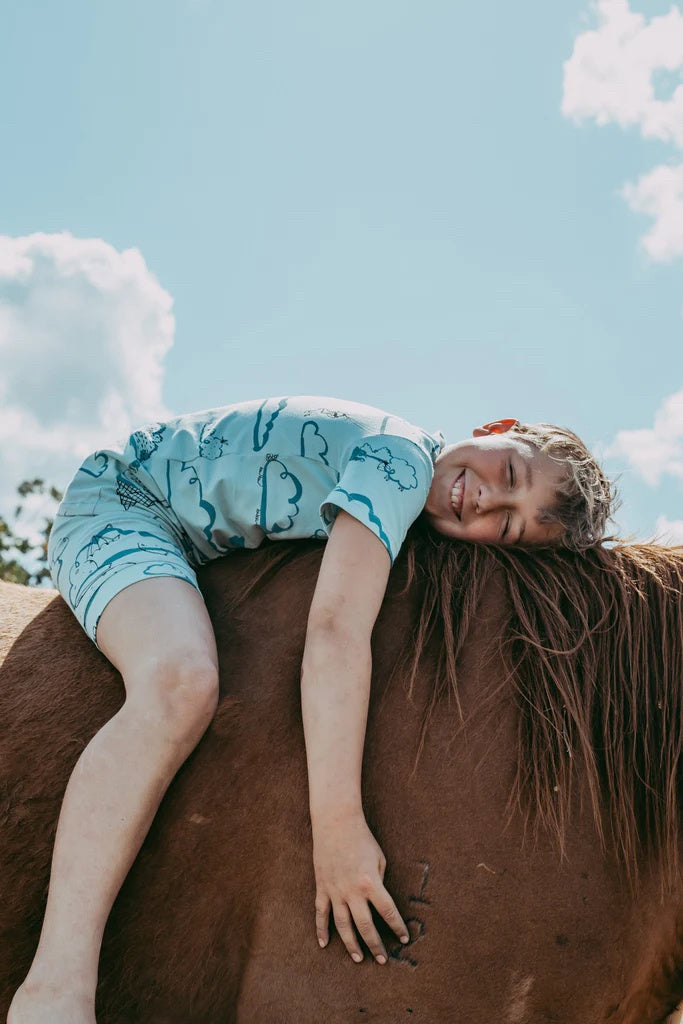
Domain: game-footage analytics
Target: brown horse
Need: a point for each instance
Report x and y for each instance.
(522, 774)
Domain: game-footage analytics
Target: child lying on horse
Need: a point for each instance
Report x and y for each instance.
(134, 525)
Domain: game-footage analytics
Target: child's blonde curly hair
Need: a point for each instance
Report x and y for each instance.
(586, 499)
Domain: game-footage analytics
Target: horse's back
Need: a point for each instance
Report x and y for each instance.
(215, 922)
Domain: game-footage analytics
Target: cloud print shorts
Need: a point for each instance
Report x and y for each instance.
(110, 532)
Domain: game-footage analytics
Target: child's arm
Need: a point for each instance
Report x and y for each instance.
(335, 686)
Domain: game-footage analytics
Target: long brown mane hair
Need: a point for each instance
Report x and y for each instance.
(593, 649)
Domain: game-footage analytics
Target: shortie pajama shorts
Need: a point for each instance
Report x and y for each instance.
(109, 532)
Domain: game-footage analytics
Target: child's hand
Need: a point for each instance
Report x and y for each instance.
(349, 872)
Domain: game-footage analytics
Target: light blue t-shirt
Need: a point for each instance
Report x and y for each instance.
(282, 468)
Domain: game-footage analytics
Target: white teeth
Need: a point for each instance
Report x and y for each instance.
(457, 494)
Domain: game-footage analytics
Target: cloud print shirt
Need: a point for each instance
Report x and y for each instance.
(281, 468)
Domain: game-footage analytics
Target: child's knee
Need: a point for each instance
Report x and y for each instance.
(179, 691)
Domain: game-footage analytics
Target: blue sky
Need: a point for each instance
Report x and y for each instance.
(452, 211)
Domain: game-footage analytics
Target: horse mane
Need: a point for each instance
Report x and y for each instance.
(592, 649)
(592, 646)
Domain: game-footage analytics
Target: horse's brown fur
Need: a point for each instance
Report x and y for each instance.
(215, 922)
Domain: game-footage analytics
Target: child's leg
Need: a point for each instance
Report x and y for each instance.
(158, 634)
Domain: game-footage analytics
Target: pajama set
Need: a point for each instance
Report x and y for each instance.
(183, 492)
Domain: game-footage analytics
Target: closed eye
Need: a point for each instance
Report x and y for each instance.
(508, 518)
(512, 477)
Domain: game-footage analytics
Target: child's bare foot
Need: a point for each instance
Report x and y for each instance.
(36, 1004)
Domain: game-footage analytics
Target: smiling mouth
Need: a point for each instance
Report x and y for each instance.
(458, 494)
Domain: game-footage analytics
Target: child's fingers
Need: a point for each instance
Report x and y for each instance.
(322, 918)
(342, 920)
(386, 907)
(362, 916)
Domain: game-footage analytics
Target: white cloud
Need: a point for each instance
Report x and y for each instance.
(669, 531)
(611, 77)
(660, 194)
(84, 330)
(657, 450)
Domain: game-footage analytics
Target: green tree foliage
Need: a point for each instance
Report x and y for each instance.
(23, 560)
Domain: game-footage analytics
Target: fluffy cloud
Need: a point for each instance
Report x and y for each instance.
(84, 330)
(660, 194)
(612, 77)
(657, 450)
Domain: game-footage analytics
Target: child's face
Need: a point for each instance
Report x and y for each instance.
(490, 489)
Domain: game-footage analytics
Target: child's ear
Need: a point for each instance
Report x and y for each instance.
(495, 427)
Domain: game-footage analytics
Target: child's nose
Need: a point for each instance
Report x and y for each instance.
(488, 499)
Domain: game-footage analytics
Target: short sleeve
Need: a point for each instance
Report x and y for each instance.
(384, 485)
